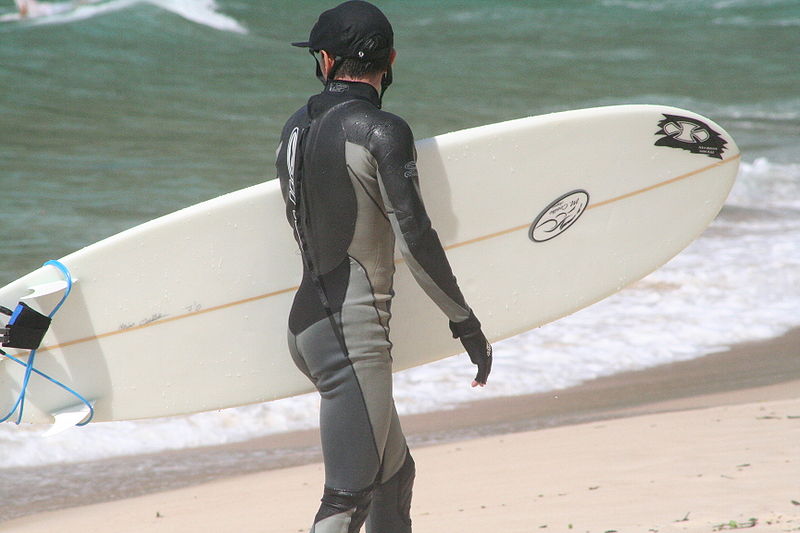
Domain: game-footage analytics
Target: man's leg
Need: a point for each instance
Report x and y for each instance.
(355, 418)
(391, 503)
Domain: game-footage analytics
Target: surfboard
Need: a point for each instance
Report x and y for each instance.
(541, 216)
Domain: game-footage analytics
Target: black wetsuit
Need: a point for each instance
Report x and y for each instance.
(349, 178)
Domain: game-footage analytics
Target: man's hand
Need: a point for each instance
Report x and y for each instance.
(476, 345)
(480, 353)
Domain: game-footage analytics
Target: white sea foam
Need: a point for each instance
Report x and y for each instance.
(680, 5)
(751, 22)
(26, 446)
(765, 184)
(638, 5)
(203, 12)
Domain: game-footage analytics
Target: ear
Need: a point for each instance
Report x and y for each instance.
(327, 63)
(392, 56)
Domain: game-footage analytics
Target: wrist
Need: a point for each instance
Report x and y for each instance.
(466, 327)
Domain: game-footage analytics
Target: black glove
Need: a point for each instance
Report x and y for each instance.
(476, 345)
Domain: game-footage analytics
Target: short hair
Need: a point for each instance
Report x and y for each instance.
(358, 68)
(379, 47)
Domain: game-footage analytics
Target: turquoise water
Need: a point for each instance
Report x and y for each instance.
(128, 110)
(118, 111)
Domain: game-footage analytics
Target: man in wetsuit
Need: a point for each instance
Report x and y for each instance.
(348, 175)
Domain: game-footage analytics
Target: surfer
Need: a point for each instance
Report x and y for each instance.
(28, 8)
(35, 9)
(348, 175)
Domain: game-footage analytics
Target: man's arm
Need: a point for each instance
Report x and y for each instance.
(392, 145)
(393, 148)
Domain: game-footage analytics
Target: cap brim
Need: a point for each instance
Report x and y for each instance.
(304, 44)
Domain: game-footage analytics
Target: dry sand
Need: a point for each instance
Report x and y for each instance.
(707, 445)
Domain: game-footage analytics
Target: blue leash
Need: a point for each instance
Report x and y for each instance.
(29, 369)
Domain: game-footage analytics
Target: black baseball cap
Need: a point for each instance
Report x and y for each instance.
(352, 30)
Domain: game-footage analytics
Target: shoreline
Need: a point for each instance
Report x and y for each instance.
(749, 372)
(744, 373)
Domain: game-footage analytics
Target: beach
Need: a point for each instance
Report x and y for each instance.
(709, 444)
(631, 415)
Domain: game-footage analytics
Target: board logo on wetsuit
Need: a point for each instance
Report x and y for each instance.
(410, 170)
(291, 153)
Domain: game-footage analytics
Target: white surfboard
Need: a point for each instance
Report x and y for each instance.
(541, 216)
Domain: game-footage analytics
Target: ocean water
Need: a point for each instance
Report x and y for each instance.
(114, 112)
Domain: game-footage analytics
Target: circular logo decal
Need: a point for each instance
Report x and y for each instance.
(557, 217)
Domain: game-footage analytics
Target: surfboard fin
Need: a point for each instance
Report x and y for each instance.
(53, 288)
(67, 418)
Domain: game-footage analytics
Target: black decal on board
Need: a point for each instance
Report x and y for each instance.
(690, 134)
(559, 216)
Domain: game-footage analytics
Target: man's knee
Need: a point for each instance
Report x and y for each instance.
(342, 511)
